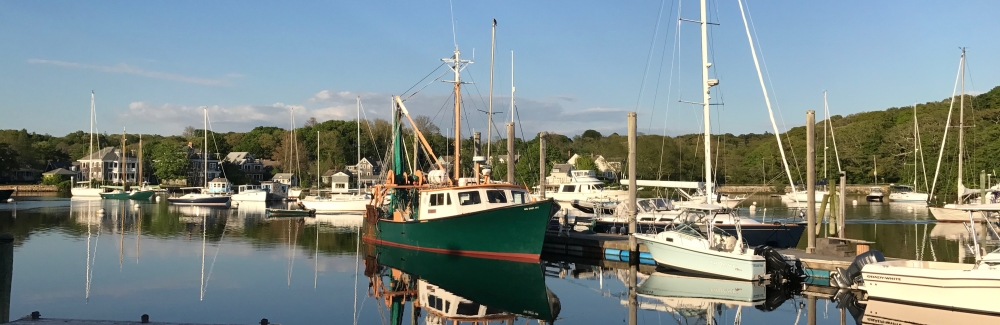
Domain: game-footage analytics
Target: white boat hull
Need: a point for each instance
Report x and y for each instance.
(569, 198)
(937, 284)
(803, 196)
(86, 192)
(908, 197)
(949, 214)
(705, 261)
(255, 196)
(884, 312)
(337, 205)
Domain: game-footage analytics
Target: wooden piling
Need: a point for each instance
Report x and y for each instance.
(541, 164)
(632, 244)
(811, 179)
(6, 270)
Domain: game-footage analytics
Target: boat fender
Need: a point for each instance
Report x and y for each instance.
(852, 275)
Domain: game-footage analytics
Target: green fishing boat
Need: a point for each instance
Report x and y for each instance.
(125, 192)
(453, 215)
(464, 289)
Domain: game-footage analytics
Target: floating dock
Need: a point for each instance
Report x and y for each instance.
(35, 318)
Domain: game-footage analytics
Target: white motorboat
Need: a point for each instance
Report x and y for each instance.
(584, 186)
(905, 193)
(884, 312)
(803, 196)
(710, 251)
(955, 286)
(950, 213)
(875, 194)
(266, 191)
(337, 203)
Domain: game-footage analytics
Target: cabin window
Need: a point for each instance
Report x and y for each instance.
(517, 197)
(439, 199)
(465, 308)
(434, 302)
(598, 187)
(496, 196)
(569, 188)
(469, 198)
(340, 185)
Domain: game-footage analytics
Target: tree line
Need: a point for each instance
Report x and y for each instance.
(863, 140)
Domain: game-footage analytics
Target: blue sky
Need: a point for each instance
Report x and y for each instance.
(578, 64)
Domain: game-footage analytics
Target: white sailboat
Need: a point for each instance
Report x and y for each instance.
(954, 286)
(905, 193)
(709, 251)
(342, 199)
(950, 212)
(83, 188)
(800, 196)
(205, 197)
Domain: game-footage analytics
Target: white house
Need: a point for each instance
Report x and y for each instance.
(289, 179)
(106, 165)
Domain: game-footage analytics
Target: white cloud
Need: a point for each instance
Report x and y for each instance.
(133, 70)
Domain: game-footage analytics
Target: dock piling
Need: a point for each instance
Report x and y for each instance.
(632, 244)
(841, 203)
(541, 164)
(811, 179)
(6, 269)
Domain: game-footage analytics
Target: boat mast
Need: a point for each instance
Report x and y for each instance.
(826, 119)
(770, 112)
(706, 96)
(357, 178)
(204, 155)
(138, 177)
(90, 162)
(317, 165)
(511, 87)
(489, 126)
(915, 148)
(121, 166)
(457, 64)
(961, 130)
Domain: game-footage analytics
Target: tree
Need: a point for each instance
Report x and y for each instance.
(592, 134)
(170, 161)
(585, 163)
(233, 173)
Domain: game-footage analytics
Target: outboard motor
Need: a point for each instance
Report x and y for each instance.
(847, 300)
(850, 277)
(781, 271)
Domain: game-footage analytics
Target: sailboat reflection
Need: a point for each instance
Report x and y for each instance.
(456, 288)
(696, 298)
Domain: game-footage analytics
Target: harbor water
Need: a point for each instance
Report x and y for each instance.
(115, 260)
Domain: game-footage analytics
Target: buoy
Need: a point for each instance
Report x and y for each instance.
(855, 202)
(909, 208)
(235, 204)
(157, 199)
(753, 208)
(10, 200)
(136, 206)
(100, 211)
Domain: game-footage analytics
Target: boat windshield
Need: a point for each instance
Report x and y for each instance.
(645, 206)
(661, 205)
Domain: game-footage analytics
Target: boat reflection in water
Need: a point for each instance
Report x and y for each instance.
(884, 312)
(456, 288)
(704, 298)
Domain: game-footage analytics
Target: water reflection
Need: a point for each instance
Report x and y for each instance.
(882, 312)
(452, 288)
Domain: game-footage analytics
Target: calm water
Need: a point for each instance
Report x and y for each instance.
(185, 264)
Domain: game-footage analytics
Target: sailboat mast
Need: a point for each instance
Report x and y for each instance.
(705, 102)
(915, 147)
(489, 117)
(317, 163)
(357, 178)
(961, 130)
(121, 166)
(204, 155)
(511, 86)
(138, 177)
(826, 119)
(90, 162)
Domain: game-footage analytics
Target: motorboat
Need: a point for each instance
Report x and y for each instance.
(874, 194)
(695, 245)
(584, 186)
(266, 191)
(337, 203)
(656, 214)
(954, 286)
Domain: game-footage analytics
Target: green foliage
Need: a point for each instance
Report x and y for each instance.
(234, 174)
(585, 163)
(591, 134)
(169, 161)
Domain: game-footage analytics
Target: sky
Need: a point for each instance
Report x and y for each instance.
(155, 65)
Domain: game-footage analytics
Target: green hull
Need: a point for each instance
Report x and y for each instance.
(511, 233)
(138, 195)
(514, 287)
(141, 195)
(274, 213)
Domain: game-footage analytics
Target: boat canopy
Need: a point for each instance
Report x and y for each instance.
(667, 184)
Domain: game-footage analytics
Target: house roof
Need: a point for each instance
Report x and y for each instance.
(283, 176)
(219, 180)
(60, 171)
(562, 167)
(239, 157)
(105, 154)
